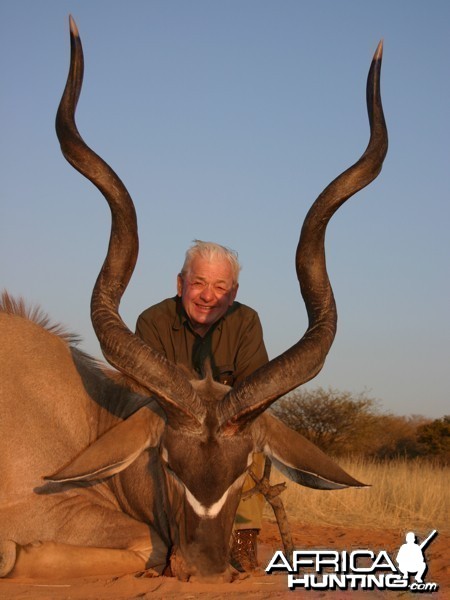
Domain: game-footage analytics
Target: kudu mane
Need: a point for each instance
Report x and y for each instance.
(20, 308)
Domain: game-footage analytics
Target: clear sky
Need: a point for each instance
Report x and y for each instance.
(225, 120)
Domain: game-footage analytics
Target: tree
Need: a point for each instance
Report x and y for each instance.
(434, 439)
(348, 423)
(396, 436)
(338, 422)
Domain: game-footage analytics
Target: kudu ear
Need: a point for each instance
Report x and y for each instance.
(115, 450)
(298, 458)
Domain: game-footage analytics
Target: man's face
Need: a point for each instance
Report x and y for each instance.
(206, 292)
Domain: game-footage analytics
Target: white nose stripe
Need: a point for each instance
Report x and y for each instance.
(206, 512)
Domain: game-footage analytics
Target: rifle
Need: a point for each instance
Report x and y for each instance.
(425, 543)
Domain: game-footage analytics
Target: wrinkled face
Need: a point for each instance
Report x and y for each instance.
(206, 291)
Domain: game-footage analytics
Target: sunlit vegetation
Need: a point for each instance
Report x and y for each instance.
(343, 424)
(402, 494)
(404, 460)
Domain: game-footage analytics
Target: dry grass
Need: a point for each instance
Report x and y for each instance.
(403, 494)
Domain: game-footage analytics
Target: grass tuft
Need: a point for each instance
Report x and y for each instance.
(403, 494)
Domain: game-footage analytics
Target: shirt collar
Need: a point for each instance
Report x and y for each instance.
(180, 314)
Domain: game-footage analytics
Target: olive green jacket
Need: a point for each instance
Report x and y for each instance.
(234, 344)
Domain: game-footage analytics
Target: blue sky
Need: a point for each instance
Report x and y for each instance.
(225, 120)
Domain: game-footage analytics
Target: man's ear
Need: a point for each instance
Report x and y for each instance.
(179, 285)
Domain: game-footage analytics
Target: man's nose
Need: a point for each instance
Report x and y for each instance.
(207, 293)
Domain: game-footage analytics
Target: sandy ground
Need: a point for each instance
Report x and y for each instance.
(256, 587)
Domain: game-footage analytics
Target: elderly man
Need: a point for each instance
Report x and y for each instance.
(202, 322)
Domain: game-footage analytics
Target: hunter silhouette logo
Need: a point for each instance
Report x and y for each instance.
(410, 558)
(357, 569)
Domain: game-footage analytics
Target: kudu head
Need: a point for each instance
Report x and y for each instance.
(211, 430)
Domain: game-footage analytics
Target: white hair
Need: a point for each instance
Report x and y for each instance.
(211, 251)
